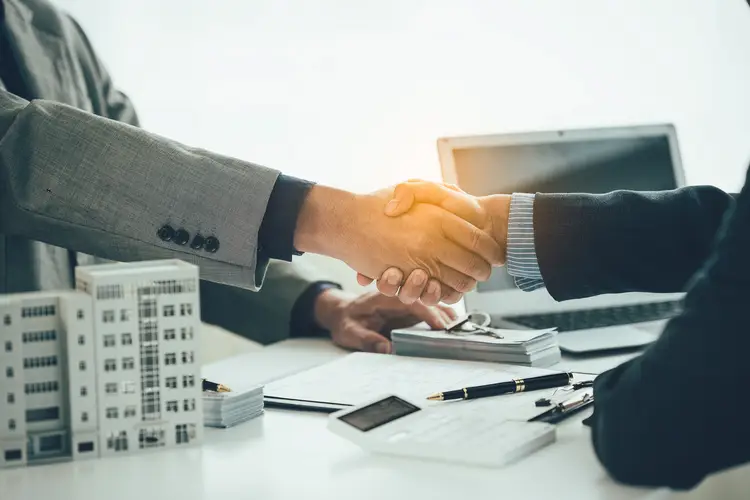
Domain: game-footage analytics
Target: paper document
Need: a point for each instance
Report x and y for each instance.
(359, 377)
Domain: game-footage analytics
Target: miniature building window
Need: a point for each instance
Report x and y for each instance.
(81, 340)
(130, 411)
(188, 357)
(128, 363)
(6, 319)
(150, 438)
(187, 333)
(80, 316)
(85, 416)
(186, 309)
(9, 372)
(13, 455)
(84, 391)
(147, 309)
(43, 414)
(118, 442)
(124, 314)
(188, 381)
(169, 334)
(109, 341)
(112, 412)
(149, 332)
(85, 447)
(171, 382)
(188, 405)
(11, 398)
(151, 402)
(127, 339)
(82, 366)
(170, 358)
(110, 365)
(8, 346)
(105, 292)
(108, 316)
(12, 424)
(128, 387)
(110, 388)
(50, 443)
(172, 406)
(168, 310)
(184, 433)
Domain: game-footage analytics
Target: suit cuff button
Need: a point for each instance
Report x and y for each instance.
(181, 237)
(197, 242)
(212, 244)
(165, 233)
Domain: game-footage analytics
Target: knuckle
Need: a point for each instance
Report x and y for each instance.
(476, 239)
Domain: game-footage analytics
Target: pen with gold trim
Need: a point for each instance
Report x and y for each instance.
(213, 386)
(515, 385)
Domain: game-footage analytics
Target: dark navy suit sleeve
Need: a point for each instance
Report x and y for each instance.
(625, 241)
(679, 412)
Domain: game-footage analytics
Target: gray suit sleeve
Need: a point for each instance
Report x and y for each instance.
(84, 182)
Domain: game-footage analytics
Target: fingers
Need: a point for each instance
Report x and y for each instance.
(430, 315)
(451, 296)
(449, 312)
(414, 286)
(432, 293)
(463, 261)
(473, 239)
(359, 338)
(390, 281)
(406, 194)
(456, 280)
(363, 280)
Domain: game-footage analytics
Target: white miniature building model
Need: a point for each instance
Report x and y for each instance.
(108, 369)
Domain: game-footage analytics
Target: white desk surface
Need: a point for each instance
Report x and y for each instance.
(289, 455)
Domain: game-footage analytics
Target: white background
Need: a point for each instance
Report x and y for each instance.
(354, 93)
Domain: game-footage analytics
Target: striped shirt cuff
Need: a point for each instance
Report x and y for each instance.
(522, 262)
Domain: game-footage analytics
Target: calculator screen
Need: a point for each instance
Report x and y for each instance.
(379, 413)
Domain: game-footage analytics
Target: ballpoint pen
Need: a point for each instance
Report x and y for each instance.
(213, 386)
(515, 385)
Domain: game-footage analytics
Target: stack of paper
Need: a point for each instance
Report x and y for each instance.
(226, 409)
(523, 347)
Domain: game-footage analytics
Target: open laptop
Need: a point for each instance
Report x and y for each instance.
(644, 158)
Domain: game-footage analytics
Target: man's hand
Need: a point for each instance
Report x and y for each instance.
(488, 213)
(365, 322)
(355, 229)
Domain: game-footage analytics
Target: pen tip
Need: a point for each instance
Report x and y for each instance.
(223, 388)
(436, 397)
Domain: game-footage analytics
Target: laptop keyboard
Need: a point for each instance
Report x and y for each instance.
(596, 318)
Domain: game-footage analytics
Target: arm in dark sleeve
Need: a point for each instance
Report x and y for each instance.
(624, 241)
(679, 412)
(276, 235)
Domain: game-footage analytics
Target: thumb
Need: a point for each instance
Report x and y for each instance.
(403, 199)
(465, 206)
(357, 337)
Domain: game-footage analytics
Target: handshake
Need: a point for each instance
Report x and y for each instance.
(419, 240)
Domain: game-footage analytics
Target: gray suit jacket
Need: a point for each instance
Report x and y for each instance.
(76, 173)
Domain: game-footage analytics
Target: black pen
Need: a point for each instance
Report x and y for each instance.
(515, 385)
(207, 385)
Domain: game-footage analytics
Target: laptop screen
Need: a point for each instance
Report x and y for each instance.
(580, 166)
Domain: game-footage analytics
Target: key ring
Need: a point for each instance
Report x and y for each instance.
(466, 325)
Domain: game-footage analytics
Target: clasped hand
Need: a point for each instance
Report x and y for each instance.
(453, 240)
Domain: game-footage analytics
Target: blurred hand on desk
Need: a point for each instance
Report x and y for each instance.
(364, 322)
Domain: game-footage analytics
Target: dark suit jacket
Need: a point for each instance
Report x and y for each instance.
(679, 411)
